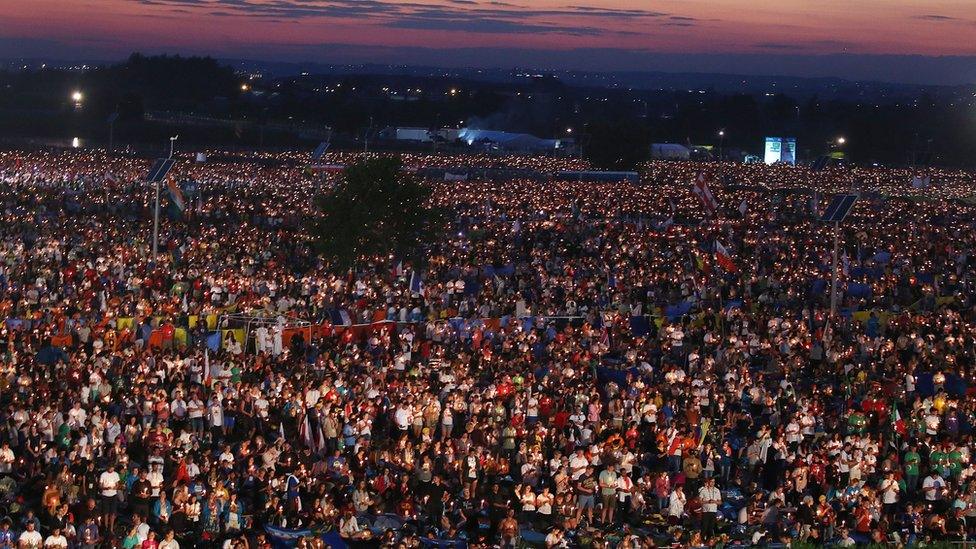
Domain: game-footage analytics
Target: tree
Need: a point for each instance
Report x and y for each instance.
(374, 209)
(621, 145)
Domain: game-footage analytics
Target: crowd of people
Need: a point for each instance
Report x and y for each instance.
(570, 364)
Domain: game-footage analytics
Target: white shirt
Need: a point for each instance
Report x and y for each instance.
(937, 483)
(109, 482)
(30, 539)
(56, 541)
(710, 497)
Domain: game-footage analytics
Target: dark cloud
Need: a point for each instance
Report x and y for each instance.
(491, 26)
(936, 17)
(611, 12)
(494, 17)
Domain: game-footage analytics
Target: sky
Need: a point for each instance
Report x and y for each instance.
(918, 41)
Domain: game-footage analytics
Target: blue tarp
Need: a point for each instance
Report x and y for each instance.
(50, 355)
(856, 289)
(503, 271)
(882, 257)
(871, 273)
(213, 341)
(640, 326)
(678, 310)
(818, 286)
(606, 375)
(954, 385)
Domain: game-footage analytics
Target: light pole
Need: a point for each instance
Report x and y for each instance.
(155, 247)
(721, 144)
(833, 282)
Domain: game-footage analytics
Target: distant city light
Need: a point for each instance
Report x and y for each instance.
(75, 142)
(841, 140)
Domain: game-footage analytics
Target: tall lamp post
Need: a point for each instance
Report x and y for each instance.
(155, 248)
(721, 144)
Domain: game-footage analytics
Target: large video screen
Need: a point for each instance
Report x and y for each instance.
(780, 149)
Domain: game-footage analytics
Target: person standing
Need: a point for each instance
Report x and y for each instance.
(608, 494)
(711, 498)
(108, 483)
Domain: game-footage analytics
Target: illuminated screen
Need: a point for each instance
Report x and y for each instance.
(780, 149)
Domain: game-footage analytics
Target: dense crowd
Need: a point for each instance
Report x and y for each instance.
(570, 364)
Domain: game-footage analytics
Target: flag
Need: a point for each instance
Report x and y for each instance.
(723, 258)
(897, 423)
(815, 202)
(416, 284)
(320, 151)
(919, 182)
(213, 341)
(340, 317)
(704, 194)
(176, 195)
(743, 207)
(314, 440)
(206, 366)
(703, 431)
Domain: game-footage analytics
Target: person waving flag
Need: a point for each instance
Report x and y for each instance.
(702, 191)
(723, 258)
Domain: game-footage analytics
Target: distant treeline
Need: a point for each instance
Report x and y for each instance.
(615, 126)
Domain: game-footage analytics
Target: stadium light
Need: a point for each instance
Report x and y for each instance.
(245, 87)
(569, 130)
(841, 140)
(77, 97)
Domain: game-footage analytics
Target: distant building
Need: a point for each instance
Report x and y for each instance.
(669, 151)
(421, 135)
(513, 142)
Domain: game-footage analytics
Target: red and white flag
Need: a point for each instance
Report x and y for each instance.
(723, 258)
(704, 194)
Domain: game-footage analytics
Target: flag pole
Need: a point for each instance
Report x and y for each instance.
(155, 247)
(833, 284)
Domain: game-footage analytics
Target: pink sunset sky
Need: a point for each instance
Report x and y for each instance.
(387, 31)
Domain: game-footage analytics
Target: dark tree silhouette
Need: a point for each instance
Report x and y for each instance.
(375, 209)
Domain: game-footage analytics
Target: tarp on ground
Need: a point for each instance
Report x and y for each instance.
(605, 375)
(640, 326)
(954, 385)
(678, 310)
